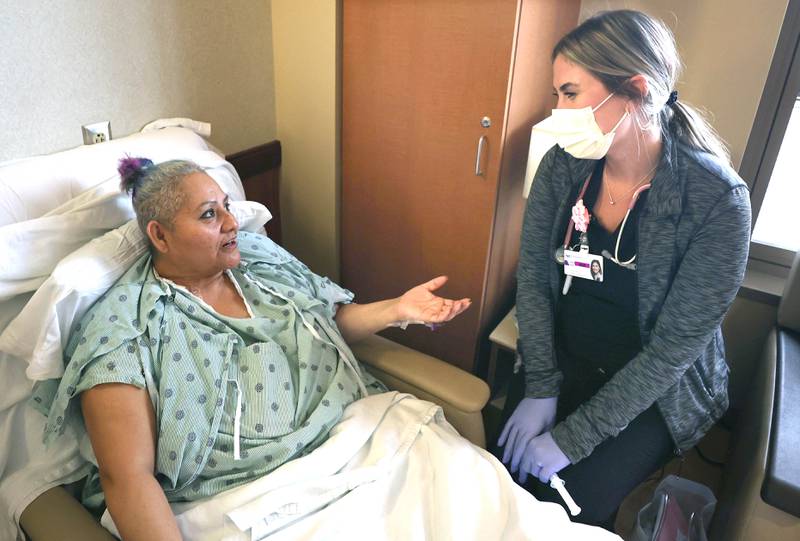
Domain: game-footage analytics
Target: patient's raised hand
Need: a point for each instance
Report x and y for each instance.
(421, 305)
(417, 305)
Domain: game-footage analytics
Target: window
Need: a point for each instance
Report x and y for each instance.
(776, 225)
(771, 161)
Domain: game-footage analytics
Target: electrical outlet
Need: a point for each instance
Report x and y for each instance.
(99, 132)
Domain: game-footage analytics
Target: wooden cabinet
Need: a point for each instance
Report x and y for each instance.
(438, 98)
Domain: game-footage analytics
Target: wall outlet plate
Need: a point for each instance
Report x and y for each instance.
(99, 132)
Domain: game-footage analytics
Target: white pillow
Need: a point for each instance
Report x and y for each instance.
(34, 247)
(32, 187)
(40, 332)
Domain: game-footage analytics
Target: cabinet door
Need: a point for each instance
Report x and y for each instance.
(417, 78)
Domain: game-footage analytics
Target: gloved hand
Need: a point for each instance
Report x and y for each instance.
(532, 417)
(542, 458)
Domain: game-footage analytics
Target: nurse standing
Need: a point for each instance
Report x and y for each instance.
(619, 374)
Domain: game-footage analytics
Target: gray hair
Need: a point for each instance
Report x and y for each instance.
(156, 191)
(617, 45)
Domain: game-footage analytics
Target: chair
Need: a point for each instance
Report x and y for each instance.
(760, 497)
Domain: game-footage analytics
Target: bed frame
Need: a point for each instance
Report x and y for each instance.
(259, 169)
(57, 516)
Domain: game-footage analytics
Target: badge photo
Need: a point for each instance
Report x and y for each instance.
(583, 265)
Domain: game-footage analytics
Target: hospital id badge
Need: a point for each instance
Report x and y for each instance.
(583, 265)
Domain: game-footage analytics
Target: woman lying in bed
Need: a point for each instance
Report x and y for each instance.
(215, 359)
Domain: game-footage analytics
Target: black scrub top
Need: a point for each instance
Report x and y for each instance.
(597, 329)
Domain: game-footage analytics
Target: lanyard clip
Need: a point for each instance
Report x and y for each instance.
(584, 242)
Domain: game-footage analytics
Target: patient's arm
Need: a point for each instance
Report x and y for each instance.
(419, 304)
(121, 425)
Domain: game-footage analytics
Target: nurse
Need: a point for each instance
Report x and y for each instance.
(620, 375)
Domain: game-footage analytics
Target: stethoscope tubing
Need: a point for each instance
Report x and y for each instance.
(631, 204)
(622, 227)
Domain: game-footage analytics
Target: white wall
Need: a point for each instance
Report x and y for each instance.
(71, 62)
(726, 47)
(307, 100)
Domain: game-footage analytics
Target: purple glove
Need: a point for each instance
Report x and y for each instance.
(532, 417)
(542, 458)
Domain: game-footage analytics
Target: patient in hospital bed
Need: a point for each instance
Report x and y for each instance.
(215, 359)
(219, 358)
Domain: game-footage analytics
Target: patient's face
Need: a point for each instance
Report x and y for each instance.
(202, 241)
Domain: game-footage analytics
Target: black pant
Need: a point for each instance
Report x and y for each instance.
(600, 482)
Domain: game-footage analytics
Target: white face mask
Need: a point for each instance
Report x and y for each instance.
(574, 130)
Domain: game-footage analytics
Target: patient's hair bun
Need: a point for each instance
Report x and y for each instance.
(132, 171)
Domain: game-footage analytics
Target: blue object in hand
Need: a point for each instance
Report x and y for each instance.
(532, 417)
(542, 458)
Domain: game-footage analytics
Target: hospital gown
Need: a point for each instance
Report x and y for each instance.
(234, 398)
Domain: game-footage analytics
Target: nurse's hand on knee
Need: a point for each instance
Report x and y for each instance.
(532, 417)
(542, 458)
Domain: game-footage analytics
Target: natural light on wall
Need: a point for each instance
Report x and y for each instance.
(775, 225)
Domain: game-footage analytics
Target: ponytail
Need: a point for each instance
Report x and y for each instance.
(686, 124)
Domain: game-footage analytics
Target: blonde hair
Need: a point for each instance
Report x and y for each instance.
(615, 46)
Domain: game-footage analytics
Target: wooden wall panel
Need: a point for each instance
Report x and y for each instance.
(417, 79)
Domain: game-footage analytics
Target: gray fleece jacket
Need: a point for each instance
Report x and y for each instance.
(694, 234)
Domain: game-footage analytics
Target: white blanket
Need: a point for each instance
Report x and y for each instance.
(393, 468)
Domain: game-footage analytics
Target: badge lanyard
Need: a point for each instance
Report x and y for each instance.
(571, 224)
(559, 255)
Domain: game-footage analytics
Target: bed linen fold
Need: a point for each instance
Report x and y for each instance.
(393, 468)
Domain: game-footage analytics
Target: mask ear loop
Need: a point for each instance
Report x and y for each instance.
(624, 115)
(599, 105)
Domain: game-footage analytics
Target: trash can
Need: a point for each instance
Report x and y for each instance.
(679, 510)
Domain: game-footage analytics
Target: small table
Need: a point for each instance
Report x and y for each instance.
(503, 337)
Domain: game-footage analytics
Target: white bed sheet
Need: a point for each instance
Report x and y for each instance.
(392, 469)
(26, 469)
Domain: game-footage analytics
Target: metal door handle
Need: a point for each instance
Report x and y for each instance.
(478, 170)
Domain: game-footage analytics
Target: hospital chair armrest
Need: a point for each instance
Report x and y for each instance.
(461, 395)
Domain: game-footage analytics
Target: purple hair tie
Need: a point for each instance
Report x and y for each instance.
(129, 166)
(131, 171)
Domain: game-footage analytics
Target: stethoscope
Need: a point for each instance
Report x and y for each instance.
(629, 263)
(584, 242)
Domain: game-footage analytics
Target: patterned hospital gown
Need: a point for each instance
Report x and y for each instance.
(286, 371)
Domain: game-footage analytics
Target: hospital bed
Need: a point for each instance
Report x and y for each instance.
(41, 192)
